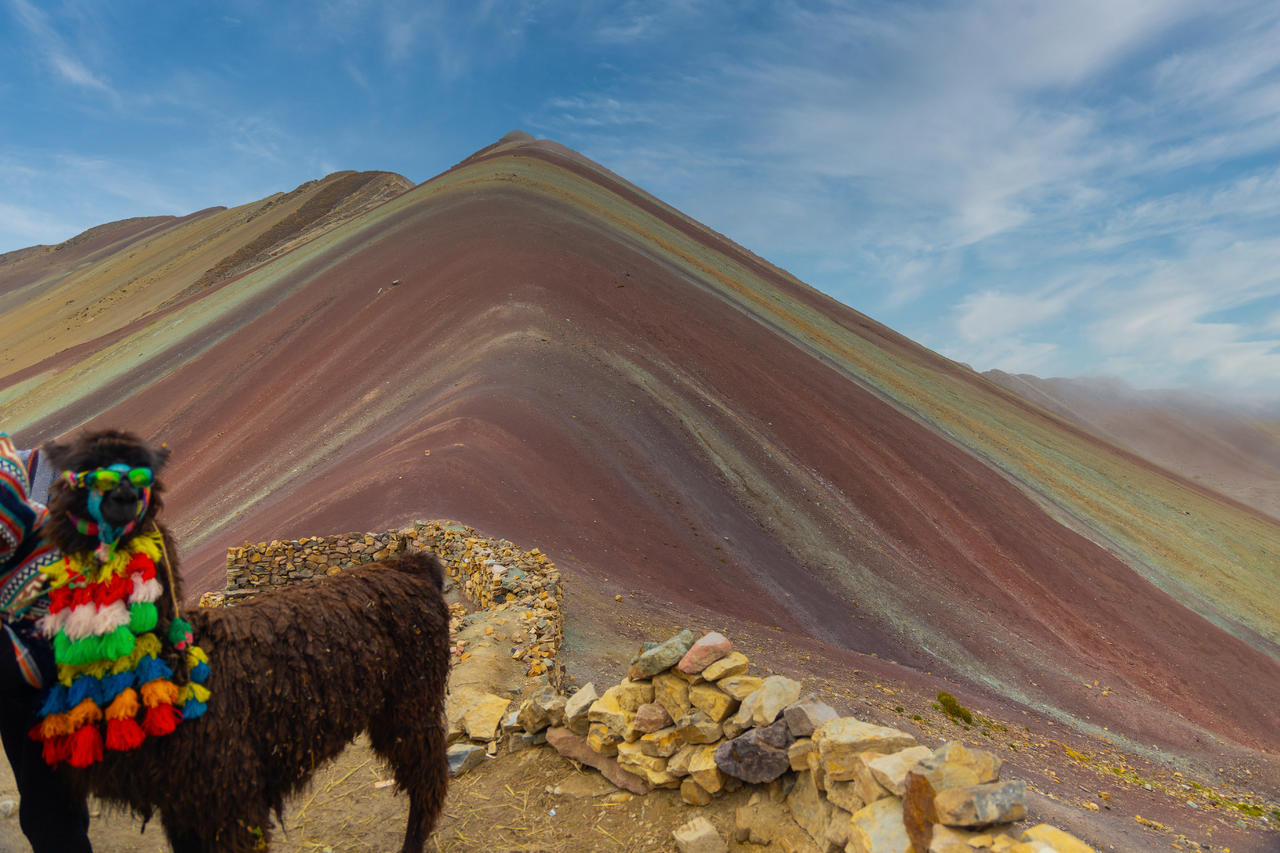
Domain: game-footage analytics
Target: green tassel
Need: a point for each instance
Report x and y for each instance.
(119, 643)
(61, 647)
(84, 651)
(179, 632)
(142, 617)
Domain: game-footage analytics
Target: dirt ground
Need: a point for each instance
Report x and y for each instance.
(537, 800)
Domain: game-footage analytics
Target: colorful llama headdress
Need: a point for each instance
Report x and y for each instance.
(99, 482)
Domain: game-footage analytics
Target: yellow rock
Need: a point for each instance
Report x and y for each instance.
(799, 754)
(483, 720)
(602, 739)
(740, 686)
(672, 693)
(631, 756)
(842, 741)
(609, 712)
(712, 701)
(878, 828)
(678, 764)
(948, 840)
(891, 770)
(734, 663)
(693, 793)
(633, 694)
(703, 769)
(1062, 842)
(663, 743)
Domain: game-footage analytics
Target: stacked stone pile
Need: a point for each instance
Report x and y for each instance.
(252, 568)
(493, 574)
(689, 715)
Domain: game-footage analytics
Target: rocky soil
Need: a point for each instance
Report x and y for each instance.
(522, 796)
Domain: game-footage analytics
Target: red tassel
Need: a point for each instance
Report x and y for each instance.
(161, 720)
(115, 589)
(124, 734)
(59, 599)
(57, 750)
(81, 595)
(86, 746)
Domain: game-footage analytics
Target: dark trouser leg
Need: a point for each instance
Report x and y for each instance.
(52, 816)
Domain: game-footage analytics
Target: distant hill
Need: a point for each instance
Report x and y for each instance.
(532, 345)
(1233, 448)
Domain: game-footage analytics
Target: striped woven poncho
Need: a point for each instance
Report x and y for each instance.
(114, 690)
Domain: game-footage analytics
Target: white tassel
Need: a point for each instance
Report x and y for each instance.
(80, 622)
(145, 590)
(110, 617)
(51, 623)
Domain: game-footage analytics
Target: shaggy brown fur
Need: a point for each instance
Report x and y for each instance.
(297, 673)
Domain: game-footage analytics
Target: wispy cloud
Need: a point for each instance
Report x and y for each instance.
(988, 162)
(1067, 188)
(31, 224)
(55, 52)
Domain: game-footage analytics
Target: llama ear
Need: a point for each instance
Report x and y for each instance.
(159, 456)
(57, 454)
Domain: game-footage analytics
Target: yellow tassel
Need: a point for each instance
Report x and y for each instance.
(146, 644)
(147, 542)
(124, 706)
(195, 691)
(86, 712)
(55, 725)
(68, 672)
(159, 692)
(195, 657)
(97, 669)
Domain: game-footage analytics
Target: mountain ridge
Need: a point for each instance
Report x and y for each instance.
(525, 342)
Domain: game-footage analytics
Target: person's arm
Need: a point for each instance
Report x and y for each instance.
(19, 516)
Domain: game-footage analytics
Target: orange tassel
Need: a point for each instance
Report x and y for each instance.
(159, 692)
(84, 713)
(160, 720)
(86, 747)
(124, 706)
(56, 725)
(124, 734)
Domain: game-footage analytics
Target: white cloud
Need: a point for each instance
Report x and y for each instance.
(28, 226)
(1036, 175)
(45, 39)
(989, 314)
(596, 111)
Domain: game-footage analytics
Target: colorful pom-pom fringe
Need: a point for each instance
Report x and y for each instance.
(114, 687)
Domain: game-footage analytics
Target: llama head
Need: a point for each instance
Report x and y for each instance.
(108, 490)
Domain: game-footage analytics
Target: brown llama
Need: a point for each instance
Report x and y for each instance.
(293, 675)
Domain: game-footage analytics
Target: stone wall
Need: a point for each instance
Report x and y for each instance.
(493, 574)
(689, 715)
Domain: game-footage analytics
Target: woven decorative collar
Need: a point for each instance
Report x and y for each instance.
(114, 687)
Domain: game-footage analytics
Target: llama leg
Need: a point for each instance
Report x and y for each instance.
(234, 838)
(416, 753)
(184, 839)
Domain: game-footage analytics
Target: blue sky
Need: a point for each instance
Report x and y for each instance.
(1058, 188)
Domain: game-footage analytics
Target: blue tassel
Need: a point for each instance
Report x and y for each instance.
(193, 708)
(151, 668)
(199, 672)
(55, 702)
(85, 687)
(113, 685)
